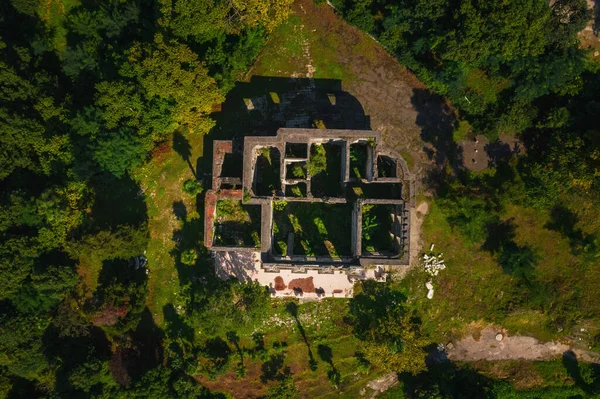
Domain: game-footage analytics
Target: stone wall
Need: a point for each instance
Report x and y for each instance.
(316, 136)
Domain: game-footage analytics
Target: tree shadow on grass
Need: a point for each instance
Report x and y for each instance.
(234, 339)
(372, 305)
(217, 355)
(179, 210)
(72, 348)
(146, 351)
(273, 370)
(117, 202)
(446, 380)
(182, 146)
(292, 309)
(326, 355)
(564, 221)
(571, 364)
(176, 324)
(188, 238)
(436, 120)
(515, 259)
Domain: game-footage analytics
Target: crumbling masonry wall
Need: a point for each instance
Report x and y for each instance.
(308, 137)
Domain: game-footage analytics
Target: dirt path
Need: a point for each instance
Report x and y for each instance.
(417, 216)
(487, 347)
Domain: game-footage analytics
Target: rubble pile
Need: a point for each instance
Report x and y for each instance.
(433, 264)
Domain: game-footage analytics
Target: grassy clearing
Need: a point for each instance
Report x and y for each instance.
(302, 344)
(162, 180)
(296, 44)
(283, 55)
(471, 288)
(475, 286)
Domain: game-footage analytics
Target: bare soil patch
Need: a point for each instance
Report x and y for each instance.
(485, 346)
(304, 284)
(417, 216)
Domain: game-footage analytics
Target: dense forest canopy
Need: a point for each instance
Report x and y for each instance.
(510, 67)
(88, 88)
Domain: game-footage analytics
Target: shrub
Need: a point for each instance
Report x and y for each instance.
(461, 131)
(279, 206)
(189, 257)
(297, 192)
(298, 171)
(318, 160)
(192, 187)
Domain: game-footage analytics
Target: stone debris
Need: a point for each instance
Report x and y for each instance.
(429, 286)
(382, 384)
(433, 263)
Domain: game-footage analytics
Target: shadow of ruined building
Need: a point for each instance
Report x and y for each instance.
(308, 143)
(265, 104)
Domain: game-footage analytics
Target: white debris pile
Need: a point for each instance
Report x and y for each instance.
(433, 264)
(429, 286)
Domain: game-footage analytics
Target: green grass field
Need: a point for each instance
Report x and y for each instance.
(474, 288)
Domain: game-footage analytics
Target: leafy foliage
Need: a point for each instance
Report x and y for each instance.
(391, 333)
(88, 90)
(192, 187)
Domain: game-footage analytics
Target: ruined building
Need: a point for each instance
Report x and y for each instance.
(309, 211)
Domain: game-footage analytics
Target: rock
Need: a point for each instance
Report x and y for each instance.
(430, 294)
(596, 53)
(384, 383)
(429, 285)
(499, 337)
(449, 346)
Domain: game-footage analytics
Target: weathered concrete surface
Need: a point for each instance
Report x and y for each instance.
(247, 266)
(381, 384)
(517, 347)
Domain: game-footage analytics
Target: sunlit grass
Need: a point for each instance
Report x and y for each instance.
(162, 181)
